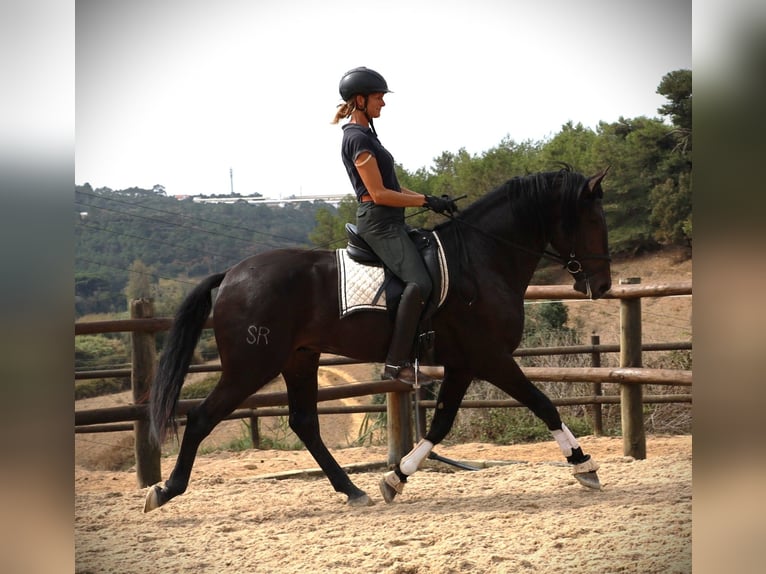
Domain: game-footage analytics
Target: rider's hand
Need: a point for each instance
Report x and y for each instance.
(443, 204)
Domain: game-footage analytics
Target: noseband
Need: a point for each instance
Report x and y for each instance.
(574, 266)
(573, 263)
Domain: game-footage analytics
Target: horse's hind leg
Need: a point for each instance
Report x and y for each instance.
(302, 388)
(515, 383)
(200, 421)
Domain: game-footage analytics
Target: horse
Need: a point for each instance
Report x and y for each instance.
(277, 311)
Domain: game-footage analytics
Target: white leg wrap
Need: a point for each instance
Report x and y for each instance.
(411, 461)
(393, 481)
(566, 440)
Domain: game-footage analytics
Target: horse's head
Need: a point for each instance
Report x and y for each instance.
(583, 244)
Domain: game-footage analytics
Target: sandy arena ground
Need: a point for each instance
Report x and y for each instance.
(529, 516)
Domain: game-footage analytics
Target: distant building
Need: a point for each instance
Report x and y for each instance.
(332, 199)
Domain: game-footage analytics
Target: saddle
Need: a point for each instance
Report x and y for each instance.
(430, 248)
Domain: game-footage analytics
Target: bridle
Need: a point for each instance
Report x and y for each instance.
(572, 263)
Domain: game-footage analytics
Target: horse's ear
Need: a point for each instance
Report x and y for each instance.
(596, 179)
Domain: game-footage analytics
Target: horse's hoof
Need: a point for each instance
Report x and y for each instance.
(362, 500)
(153, 498)
(589, 479)
(388, 492)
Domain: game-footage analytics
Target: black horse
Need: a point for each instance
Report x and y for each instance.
(276, 312)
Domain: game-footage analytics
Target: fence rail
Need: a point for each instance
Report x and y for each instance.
(136, 412)
(325, 361)
(630, 376)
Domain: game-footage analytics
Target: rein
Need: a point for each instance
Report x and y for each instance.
(572, 263)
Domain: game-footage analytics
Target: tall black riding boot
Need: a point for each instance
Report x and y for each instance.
(400, 349)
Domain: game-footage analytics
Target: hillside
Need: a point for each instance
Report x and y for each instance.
(172, 239)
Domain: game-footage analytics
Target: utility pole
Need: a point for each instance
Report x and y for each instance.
(231, 179)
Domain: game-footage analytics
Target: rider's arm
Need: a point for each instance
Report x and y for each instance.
(368, 169)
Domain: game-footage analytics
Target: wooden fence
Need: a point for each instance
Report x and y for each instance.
(630, 376)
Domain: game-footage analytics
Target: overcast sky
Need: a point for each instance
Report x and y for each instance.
(178, 92)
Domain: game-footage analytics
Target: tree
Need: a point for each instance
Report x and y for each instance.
(97, 292)
(329, 228)
(672, 210)
(677, 87)
(140, 282)
(672, 198)
(573, 145)
(324, 229)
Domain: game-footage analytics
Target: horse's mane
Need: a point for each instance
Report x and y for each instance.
(527, 196)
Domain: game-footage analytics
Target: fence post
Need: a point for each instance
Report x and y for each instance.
(143, 354)
(631, 395)
(399, 416)
(255, 430)
(596, 413)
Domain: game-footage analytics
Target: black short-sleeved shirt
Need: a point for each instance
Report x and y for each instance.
(358, 139)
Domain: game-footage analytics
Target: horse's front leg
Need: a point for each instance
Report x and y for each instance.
(513, 381)
(302, 388)
(451, 394)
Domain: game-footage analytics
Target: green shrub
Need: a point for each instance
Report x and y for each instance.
(281, 436)
(98, 387)
(237, 444)
(199, 389)
(514, 425)
(94, 351)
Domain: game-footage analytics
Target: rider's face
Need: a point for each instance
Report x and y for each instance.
(375, 103)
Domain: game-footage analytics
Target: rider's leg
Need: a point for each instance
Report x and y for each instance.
(400, 350)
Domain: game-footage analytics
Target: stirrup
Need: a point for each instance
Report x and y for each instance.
(406, 374)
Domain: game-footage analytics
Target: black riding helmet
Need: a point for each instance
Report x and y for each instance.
(362, 81)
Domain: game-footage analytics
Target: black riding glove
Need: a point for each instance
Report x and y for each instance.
(443, 204)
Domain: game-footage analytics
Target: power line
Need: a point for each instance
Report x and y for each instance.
(180, 225)
(85, 260)
(156, 241)
(605, 308)
(167, 223)
(184, 216)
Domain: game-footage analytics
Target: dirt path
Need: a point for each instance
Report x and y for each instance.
(108, 451)
(530, 516)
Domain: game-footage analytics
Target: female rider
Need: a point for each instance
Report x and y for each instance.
(380, 214)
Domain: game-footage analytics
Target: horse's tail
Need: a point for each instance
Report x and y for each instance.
(179, 348)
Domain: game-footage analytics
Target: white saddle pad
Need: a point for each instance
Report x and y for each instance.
(359, 284)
